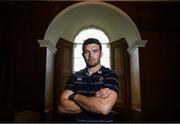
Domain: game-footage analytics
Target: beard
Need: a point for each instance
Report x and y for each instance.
(92, 62)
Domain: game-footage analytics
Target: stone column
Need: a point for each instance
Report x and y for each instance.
(49, 74)
(135, 74)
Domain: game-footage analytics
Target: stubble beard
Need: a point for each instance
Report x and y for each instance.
(94, 64)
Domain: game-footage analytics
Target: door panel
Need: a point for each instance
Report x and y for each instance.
(117, 64)
(64, 62)
(120, 65)
(63, 70)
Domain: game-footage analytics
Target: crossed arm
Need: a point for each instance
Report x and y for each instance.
(101, 103)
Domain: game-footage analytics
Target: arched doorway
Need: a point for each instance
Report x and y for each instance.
(119, 26)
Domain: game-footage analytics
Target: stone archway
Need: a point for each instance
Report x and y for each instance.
(112, 20)
(109, 18)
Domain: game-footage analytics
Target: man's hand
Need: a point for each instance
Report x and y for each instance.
(66, 105)
(104, 93)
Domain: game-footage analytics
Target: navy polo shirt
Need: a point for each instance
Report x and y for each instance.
(86, 85)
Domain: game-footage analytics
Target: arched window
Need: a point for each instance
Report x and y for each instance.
(78, 61)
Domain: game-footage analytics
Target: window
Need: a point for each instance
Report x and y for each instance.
(78, 61)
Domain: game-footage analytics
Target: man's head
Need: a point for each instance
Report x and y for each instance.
(91, 41)
(92, 52)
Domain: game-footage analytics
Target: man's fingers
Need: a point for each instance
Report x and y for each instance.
(103, 92)
(98, 93)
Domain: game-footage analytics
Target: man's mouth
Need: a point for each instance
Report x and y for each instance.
(90, 60)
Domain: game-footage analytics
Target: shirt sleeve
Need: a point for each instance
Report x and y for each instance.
(112, 82)
(70, 84)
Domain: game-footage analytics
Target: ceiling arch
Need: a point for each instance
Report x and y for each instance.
(112, 20)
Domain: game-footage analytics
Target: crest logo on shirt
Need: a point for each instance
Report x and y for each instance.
(101, 78)
(79, 79)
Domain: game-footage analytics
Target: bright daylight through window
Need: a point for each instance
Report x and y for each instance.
(78, 61)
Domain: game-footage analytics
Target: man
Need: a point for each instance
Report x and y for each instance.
(92, 92)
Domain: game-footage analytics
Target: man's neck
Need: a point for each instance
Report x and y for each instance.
(92, 70)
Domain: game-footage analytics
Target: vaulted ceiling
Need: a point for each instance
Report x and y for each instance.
(113, 21)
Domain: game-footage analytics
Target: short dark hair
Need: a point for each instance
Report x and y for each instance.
(90, 41)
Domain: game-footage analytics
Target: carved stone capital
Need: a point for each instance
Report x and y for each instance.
(48, 44)
(136, 44)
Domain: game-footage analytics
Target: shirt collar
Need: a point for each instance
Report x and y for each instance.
(99, 72)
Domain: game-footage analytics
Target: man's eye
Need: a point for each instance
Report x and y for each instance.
(95, 51)
(86, 52)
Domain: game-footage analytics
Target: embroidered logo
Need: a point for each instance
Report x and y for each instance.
(79, 79)
(101, 78)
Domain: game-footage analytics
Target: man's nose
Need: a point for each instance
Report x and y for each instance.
(90, 54)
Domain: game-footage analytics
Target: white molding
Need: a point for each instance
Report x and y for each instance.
(136, 44)
(48, 44)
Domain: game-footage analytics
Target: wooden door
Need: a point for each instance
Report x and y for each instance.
(120, 64)
(63, 68)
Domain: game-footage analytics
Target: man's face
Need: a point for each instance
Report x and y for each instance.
(92, 55)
